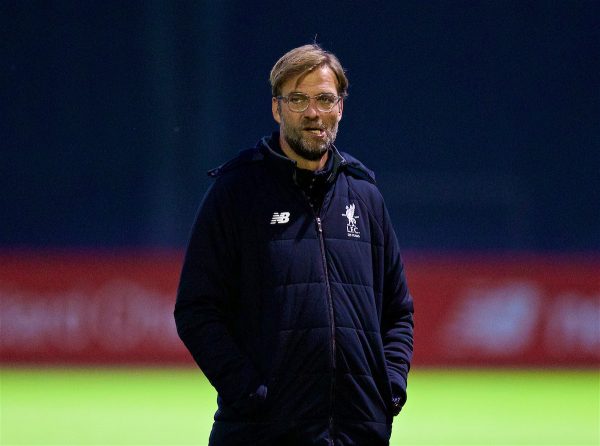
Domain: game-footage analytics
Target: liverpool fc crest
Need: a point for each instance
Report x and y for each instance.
(351, 227)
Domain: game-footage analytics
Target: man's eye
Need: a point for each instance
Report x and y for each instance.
(297, 99)
(326, 99)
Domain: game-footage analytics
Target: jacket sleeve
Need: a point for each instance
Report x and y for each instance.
(397, 314)
(205, 299)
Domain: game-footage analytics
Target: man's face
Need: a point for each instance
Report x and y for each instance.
(311, 132)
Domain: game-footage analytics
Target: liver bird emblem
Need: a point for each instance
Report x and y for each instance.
(350, 215)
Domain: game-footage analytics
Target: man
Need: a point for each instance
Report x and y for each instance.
(293, 299)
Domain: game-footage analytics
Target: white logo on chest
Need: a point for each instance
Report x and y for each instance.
(280, 218)
(351, 227)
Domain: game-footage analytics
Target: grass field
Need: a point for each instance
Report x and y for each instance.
(175, 407)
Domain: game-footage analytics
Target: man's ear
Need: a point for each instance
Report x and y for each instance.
(276, 110)
(340, 109)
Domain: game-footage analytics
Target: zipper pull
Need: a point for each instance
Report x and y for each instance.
(319, 228)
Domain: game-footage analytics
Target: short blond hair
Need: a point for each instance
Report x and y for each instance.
(303, 60)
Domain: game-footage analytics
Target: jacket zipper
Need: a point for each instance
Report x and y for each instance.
(332, 325)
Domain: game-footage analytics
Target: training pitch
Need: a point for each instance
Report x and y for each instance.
(87, 406)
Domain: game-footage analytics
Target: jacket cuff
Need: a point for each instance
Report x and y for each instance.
(399, 396)
(252, 401)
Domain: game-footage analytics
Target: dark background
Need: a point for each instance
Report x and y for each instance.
(480, 118)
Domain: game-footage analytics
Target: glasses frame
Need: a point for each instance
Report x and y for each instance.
(286, 99)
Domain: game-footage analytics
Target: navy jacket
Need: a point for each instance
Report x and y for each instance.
(301, 320)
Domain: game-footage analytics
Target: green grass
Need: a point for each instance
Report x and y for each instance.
(175, 406)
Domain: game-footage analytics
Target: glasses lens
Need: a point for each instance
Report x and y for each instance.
(325, 102)
(298, 102)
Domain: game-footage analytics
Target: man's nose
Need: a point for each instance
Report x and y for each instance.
(312, 110)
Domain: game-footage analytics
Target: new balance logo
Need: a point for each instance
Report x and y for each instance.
(280, 218)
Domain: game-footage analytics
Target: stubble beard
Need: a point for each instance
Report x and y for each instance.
(311, 151)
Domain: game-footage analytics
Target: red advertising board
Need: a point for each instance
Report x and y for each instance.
(101, 308)
(506, 311)
(87, 307)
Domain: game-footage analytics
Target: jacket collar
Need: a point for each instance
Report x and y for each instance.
(269, 145)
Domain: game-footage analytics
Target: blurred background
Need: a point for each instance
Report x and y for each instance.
(479, 118)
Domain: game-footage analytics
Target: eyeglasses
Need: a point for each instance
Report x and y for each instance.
(298, 102)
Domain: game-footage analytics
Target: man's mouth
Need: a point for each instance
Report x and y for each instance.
(315, 130)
